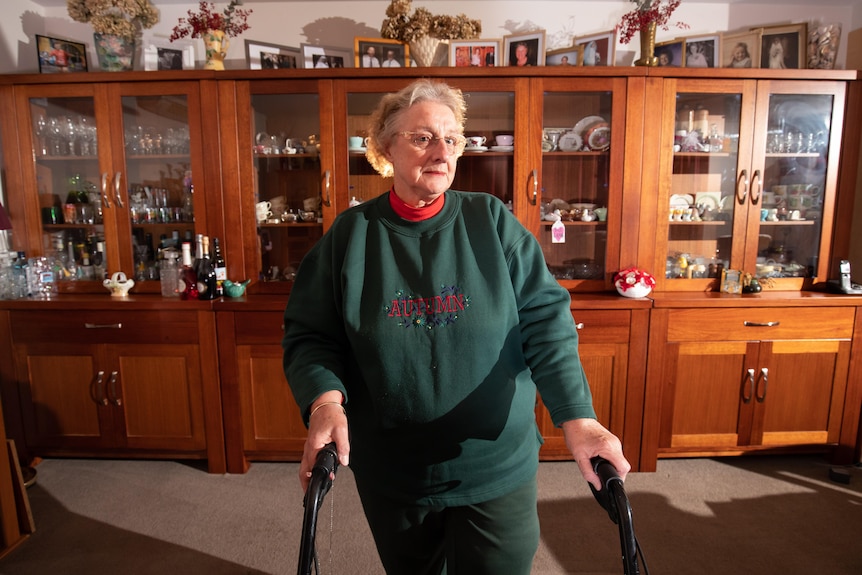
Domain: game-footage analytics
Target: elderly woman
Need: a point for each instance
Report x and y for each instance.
(417, 333)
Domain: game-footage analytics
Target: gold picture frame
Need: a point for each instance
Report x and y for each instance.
(380, 53)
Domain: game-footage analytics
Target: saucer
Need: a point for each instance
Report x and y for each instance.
(476, 149)
(502, 148)
(363, 150)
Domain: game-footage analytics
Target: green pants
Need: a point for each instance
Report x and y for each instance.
(490, 538)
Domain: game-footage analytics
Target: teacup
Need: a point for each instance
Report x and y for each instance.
(263, 210)
(504, 139)
(476, 141)
(357, 142)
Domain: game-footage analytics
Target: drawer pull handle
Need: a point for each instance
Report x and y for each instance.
(117, 195)
(756, 187)
(764, 373)
(533, 198)
(100, 392)
(742, 184)
(327, 185)
(105, 198)
(579, 325)
(761, 323)
(103, 325)
(749, 389)
(112, 389)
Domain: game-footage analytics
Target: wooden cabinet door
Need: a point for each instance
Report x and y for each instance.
(604, 350)
(271, 419)
(63, 396)
(156, 394)
(800, 392)
(708, 398)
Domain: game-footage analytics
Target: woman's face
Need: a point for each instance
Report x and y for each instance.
(421, 176)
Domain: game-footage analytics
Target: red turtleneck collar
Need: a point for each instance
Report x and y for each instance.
(412, 214)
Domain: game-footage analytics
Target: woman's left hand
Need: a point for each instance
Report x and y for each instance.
(587, 438)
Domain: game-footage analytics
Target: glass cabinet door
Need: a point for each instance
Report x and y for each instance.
(708, 187)
(158, 179)
(288, 186)
(70, 183)
(796, 180)
(582, 145)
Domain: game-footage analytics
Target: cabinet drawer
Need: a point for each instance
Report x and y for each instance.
(102, 326)
(604, 326)
(750, 324)
(259, 327)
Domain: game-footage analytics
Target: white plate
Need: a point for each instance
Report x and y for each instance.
(681, 201)
(502, 148)
(707, 199)
(584, 123)
(583, 206)
(571, 142)
(357, 149)
(476, 149)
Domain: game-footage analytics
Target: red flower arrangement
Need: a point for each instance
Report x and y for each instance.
(647, 11)
(232, 21)
(633, 282)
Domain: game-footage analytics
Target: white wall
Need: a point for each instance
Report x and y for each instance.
(336, 23)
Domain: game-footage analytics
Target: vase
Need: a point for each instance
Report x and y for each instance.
(647, 37)
(215, 47)
(116, 53)
(424, 50)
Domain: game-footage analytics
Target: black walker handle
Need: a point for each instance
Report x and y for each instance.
(318, 486)
(614, 500)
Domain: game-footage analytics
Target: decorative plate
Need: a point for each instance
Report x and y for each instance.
(585, 123)
(571, 142)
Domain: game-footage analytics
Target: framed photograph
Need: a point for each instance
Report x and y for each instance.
(263, 56)
(326, 57)
(481, 53)
(598, 49)
(176, 57)
(823, 46)
(671, 53)
(571, 56)
(58, 55)
(740, 50)
(525, 49)
(783, 47)
(380, 53)
(702, 51)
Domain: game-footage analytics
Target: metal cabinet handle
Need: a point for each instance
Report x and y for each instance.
(327, 186)
(103, 325)
(764, 377)
(761, 323)
(534, 197)
(100, 392)
(106, 199)
(117, 195)
(742, 181)
(756, 187)
(748, 390)
(112, 389)
(579, 325)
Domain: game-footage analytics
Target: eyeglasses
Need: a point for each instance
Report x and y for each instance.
(421, 140)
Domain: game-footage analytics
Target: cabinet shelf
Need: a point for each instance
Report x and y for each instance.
(69, 158)
(576, 223)
(789, 223)
(712, 223)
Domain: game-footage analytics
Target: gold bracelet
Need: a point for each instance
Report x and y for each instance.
(325, 403)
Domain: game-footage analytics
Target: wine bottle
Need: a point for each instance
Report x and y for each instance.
(207, 288)
(220, 268)
(187, 286)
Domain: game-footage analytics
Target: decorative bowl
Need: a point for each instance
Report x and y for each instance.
(634, 290)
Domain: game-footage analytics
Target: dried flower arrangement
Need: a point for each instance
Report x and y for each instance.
(114, 17)
(647, 11)
(402, 26)
(232, 21)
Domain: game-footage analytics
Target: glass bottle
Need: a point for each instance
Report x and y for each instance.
(187, 285)
(220, 268)
(169, 272)
(206, 273)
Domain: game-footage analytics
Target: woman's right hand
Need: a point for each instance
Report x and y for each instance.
(326, 424)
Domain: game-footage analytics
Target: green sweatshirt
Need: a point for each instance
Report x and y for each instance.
(435, 332)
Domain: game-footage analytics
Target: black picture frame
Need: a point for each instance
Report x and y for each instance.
(265, 56)
(57, 55)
